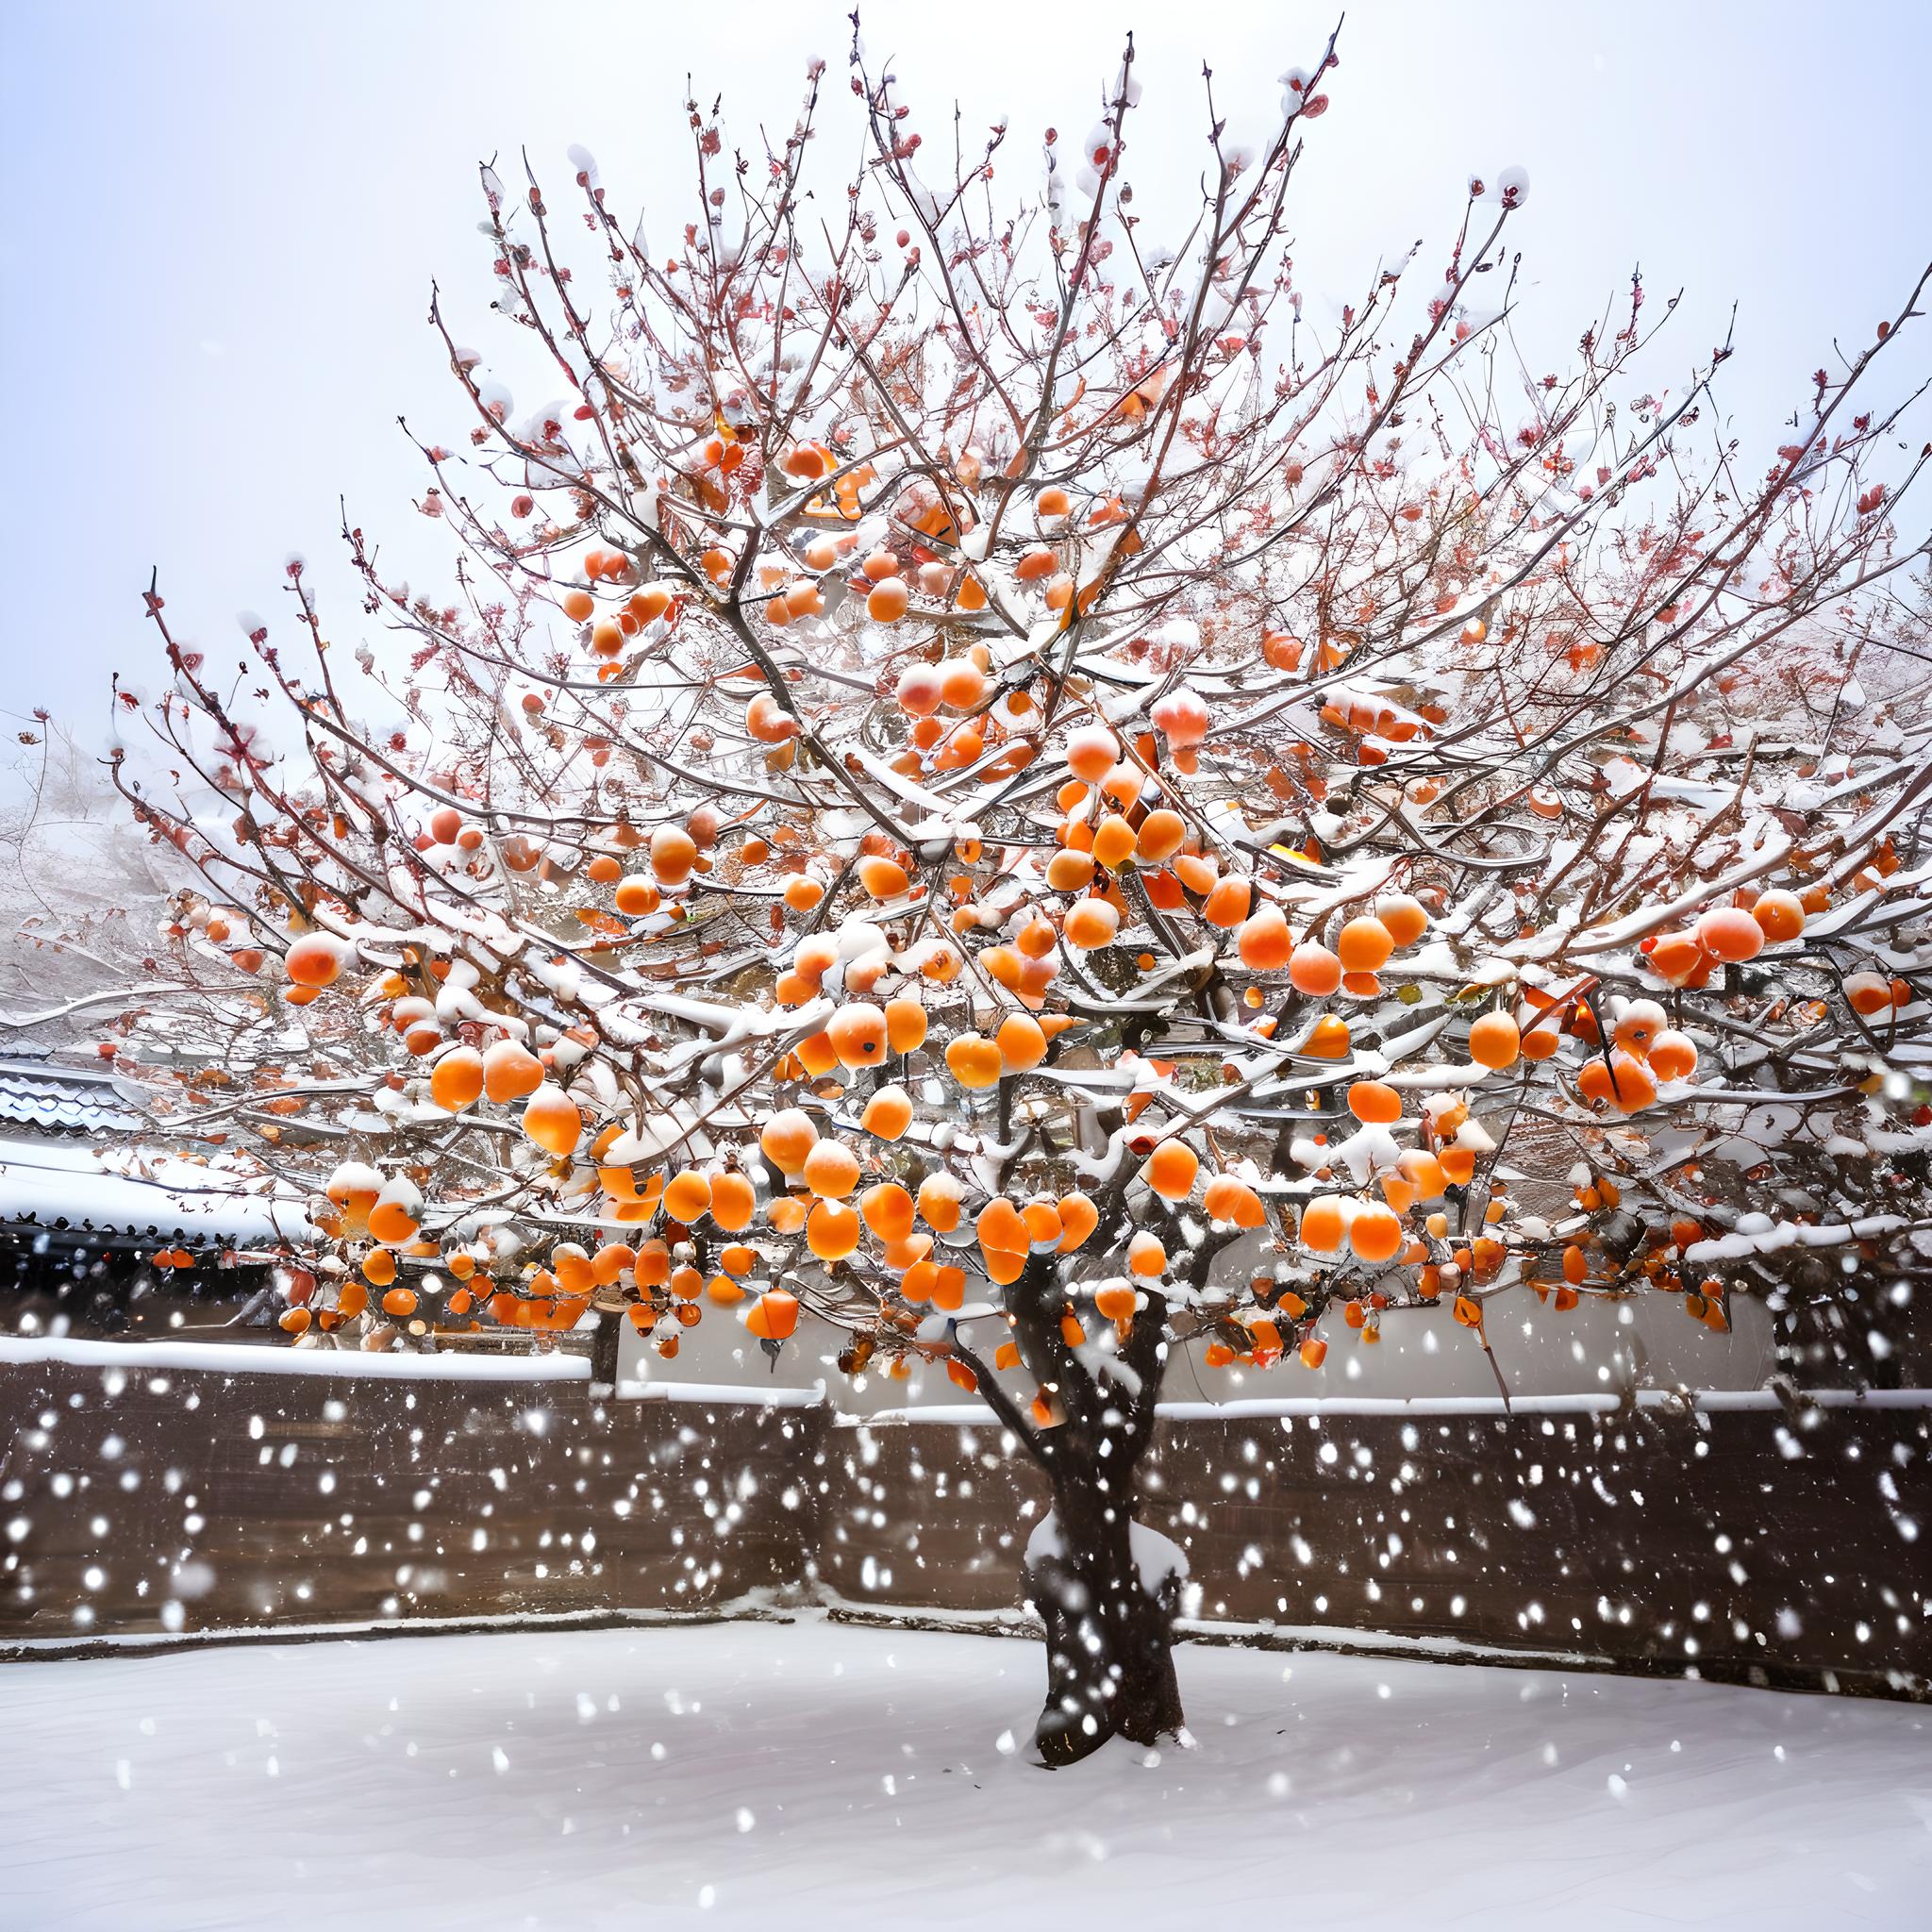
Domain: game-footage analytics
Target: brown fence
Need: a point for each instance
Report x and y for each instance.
(1731, 1536)
(154, 1499)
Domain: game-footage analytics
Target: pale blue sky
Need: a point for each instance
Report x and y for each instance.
(219, 222)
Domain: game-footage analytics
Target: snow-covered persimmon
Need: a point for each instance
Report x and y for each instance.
(766, 721)
(1779, 913)
(1638, 1025)
(456, 1081)
(1673, 1056)
(674, 852)
(1181, 717)
(938, 1198)
(1867, 993)
(1324, 1226)
(1730, 934)
(1363, 946)
(1170, 1170)
(975, 1062)
(553, 1119)
(314, 959)
(858, 1034)
(1225, 1198)
(1227, 903)
(1091, 923)
(1091, 751)
(884, 878)
(1405, 919)
(1313, 969)
(888, 602)
(1375, 1232)
(511, 1071)
(831, 1169)
(1159, 836)
(1494, 1040)
(1265, 943)
(921, 690)
(1620, 1081)
(787, 1138)
(963, 683)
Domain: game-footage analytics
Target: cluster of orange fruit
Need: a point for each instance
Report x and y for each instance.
(1120, 815)
(888, 577)
(1660, 1264)
(1725, 936)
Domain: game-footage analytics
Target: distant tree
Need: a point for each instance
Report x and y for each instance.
(81, 898)
(1016, 794)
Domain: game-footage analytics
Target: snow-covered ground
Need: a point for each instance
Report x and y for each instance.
(813, 1775)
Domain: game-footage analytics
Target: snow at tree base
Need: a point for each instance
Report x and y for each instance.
(805, 1776)
(994, 788)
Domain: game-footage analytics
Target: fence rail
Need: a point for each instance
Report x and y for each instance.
(153, 1491)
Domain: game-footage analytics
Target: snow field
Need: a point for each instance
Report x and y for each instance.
(814, 1774)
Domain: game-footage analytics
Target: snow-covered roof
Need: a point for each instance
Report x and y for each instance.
(36, 1095)
(249, 1358)
(127, 1193)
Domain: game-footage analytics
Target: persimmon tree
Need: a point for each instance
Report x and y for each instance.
(1005, 790)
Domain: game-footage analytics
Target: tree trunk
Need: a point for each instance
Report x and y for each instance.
(1109, 1640)
(1110, 1644)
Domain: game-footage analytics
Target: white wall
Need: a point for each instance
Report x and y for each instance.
(1598, 1348)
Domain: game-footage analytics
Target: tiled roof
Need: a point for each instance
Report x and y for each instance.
(47, 1099)
(67, 1192)
(76, 1168)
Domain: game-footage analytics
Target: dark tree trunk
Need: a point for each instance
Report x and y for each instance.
(1110, 1644)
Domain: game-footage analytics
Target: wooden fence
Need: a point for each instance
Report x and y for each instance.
(154, 1491)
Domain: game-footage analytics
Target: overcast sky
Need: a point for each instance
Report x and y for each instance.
(219, 222)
